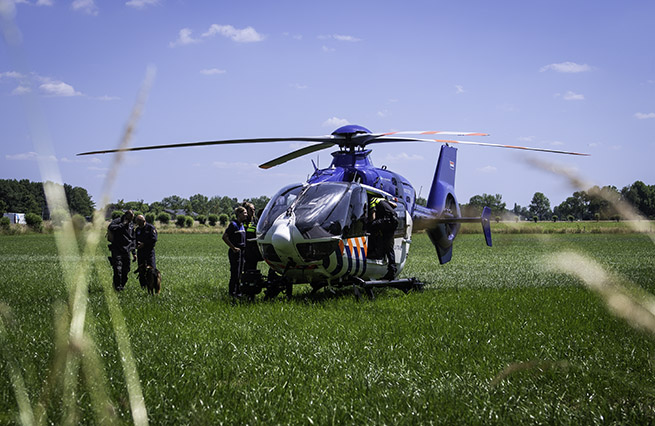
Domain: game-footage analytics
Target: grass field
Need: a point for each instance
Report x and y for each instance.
(494, 338)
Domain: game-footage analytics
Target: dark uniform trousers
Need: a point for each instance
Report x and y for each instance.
(236, 267)
(121, 265)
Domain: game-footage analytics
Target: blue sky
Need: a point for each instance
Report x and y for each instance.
(569, 75)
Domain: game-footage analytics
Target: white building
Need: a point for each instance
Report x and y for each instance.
(16, 218)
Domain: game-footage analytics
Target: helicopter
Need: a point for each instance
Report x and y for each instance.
(317, 232)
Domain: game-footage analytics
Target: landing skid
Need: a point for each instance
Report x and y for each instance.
(405, 285)
(253, 283)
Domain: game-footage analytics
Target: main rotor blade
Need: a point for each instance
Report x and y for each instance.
(295, 154)
(221, 142)
(527, 148)
(433, 133)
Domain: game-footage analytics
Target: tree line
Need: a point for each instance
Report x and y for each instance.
(595, 203)
(196, 205)
(24, 196)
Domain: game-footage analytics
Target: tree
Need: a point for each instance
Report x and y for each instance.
(137, 206)
(156, 207)
(641, 196)
(174, 202)
(540, 206)
(521, 212)
(79, 201)
(199, 204)
(574, 205)
(479, 202)
(34, 221)
(163, 217)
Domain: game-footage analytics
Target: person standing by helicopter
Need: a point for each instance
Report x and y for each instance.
(383, 223)
(252, 254)
(235, 238)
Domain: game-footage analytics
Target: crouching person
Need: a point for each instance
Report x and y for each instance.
(146, 237)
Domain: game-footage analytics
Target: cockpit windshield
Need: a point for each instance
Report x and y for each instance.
(278, 205)
(330, 209)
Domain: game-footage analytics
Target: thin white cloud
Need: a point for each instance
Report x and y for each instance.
(11, 74)
(212, 71)
(299, 86)
(459, 89)
(141, 4)
(47, 86)
(184, 38)
(293, 36)
(45, 3)
(21, 90)
(382, 114)
(22, 156)
(487, 169)
(340, 37)
(348, 38)
(85, 6)
(7, 9)
(566, 67)
(403, 156)
(29, 156)
(328, 49)
(108, 98)
(335, 122)
(570, 96)
(245, 35)
(92, 160)
(644, 115)
(58, 88)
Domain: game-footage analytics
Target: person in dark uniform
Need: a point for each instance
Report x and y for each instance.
(122, 245)
(146, 237)
(383, 223)
(235, 238)
(252, 253)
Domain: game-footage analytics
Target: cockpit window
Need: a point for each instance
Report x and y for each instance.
(331, 209)
(321, 209)
(278, 205)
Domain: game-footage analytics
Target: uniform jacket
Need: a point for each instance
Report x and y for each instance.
(148, 236)
(124, 241)
(236, 233)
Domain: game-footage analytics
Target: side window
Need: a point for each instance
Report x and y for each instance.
(402, 219)
(358, 213)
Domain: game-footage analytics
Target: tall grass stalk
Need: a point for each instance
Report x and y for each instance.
(79, 351)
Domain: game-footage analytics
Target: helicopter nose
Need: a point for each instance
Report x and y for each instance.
(283, 241)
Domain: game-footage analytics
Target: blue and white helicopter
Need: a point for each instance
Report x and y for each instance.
(317, 232)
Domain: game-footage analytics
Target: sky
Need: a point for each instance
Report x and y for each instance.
(566, 75)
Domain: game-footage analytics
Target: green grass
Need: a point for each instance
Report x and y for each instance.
(419, 358)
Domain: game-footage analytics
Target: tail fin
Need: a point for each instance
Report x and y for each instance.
(442, 200)
(444, 178)
(486, 224)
